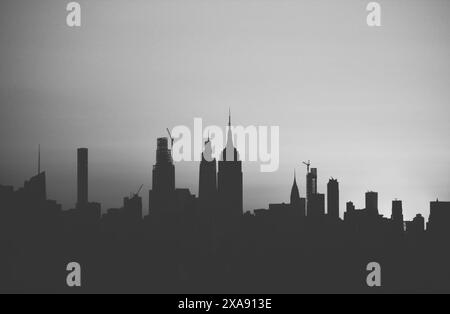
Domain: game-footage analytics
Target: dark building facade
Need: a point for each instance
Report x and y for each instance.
(333, 198)
(163, 178)
(397, 215)
(89, 212)
(35, 188)
(316, 206)
(349, 211)
(372, 202)
(82, 177)
(311, 183)
(230, 180)
(439, 218)
(297, 203)
(133, 207)
(416, 227)
(207, 189)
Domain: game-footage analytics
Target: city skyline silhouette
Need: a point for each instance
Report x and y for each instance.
(305, 187)
(375, 99)
(208, 244)
(89, 173)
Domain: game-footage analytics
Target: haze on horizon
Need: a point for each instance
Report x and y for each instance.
(368, 106)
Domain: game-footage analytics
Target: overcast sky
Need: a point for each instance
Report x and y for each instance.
(368, 106)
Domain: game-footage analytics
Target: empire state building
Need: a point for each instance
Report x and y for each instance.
(230, 181)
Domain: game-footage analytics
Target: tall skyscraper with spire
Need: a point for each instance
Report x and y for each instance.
(230, 179)
(297, 203)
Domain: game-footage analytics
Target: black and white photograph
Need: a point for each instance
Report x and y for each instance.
(224, 153)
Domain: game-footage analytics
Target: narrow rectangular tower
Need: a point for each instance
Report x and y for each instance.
(82, 177)
(333, 198)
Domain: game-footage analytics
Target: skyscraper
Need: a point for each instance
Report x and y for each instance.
(372, 202)
(311, 183)
(164, 169)
(82, 177)
(90, 212)
(230, 179)
(297, 203)
(207, 190)
(333, 198)
(439, 218)
(315, 203)
(397, 215)
(163, 179)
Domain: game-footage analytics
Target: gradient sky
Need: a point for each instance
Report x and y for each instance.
(369, 106)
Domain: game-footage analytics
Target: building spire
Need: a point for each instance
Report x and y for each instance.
(230, 134)
(295, 194)
(229, 152)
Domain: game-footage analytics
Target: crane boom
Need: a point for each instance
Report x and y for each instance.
(140, 188)
(171, 138)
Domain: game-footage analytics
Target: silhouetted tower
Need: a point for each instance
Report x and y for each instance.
(82, 177)
(207, 204)
(397, 215)
(372, 202)
(91, 212)
(315, 203)
(133, 207)
(295, 194)
(333, 198)
(311, 180)
(162, 194)
(230, 179)
(164, 169)
(297, 203)
(311, 183)
(439, 220)
(207, 191)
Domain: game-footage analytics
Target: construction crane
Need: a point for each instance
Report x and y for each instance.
(140, 188)
(137, 193)
(307, 164)
(171, 138)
